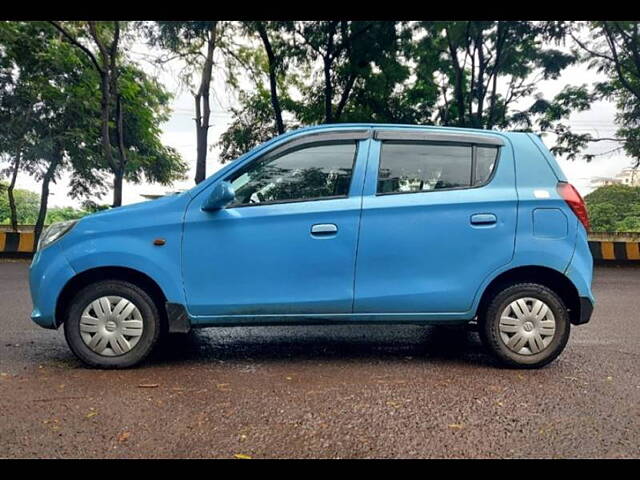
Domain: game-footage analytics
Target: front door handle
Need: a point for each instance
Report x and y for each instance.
(483, 219)
(324, 229)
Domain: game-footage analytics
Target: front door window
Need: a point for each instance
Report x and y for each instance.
(312, 172)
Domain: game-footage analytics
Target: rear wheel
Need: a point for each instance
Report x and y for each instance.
(112, 324)
(525, 325)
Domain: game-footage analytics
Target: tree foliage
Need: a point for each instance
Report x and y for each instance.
(52, 112)
(27, 205)
(194, 43)
(614, 208)
(58, 85)
(467, 74)
(614, 49)
(127, 99)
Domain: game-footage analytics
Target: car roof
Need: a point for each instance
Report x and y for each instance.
(398, 126)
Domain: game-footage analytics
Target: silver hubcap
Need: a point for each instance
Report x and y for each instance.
(527, 326)
(111, 326)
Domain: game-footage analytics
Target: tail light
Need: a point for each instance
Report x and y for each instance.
(575, 201)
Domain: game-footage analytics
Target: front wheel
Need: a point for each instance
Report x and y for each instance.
(525, 325)
(112, 324)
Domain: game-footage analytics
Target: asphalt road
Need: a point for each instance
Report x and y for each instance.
(335, 391)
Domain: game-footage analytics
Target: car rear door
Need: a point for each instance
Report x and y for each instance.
(439, 215)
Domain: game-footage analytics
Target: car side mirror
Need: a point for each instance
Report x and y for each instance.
(221, 196)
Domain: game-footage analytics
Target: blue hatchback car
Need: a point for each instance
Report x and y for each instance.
(350, 223)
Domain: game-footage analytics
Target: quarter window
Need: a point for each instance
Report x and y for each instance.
(485, 162)
(307, 173)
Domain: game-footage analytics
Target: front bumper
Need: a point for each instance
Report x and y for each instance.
(48, 274)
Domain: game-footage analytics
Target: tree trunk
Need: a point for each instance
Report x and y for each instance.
(118, 174)
(44, 195)
(16, 169)
(328, 59)
(118, 177)
(105, 91)
(201, 151)
(501, 35)
(108, 86)
(203, 111)
(458, 87)
(106, 68)
(345, 95)
(328, 91)
(275, 100)
(12, 200)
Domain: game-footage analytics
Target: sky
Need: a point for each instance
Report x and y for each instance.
(179, 132)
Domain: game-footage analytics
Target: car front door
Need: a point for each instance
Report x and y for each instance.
(286, 245)
(439, 215)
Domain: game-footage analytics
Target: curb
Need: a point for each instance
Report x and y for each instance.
(625, 251)
(16, 242)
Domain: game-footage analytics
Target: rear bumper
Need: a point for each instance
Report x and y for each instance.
(586, 309)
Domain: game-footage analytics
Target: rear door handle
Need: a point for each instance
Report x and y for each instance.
(323, 229)
(483, 219)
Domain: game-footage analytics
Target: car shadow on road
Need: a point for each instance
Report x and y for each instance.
(334, 343)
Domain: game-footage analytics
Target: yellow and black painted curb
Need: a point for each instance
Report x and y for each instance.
(16, 242)
(623, 251)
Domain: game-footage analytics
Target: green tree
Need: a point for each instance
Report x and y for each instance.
(53, 96)
(18, 97)
(127, 97)
(27, 204)
(143, 107)
(350, 53)
(253, 123)
(469, 74)
(4, 203)
(614, 208)
(613, 48)
(278, 48)
(483, 68)
(358, 75)
(195, 43)
(268, 59)
(105, 38)
(60, 214)
(60, 85)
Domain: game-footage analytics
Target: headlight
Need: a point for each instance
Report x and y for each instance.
(54, 232)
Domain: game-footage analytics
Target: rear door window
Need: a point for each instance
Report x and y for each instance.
(407, 167)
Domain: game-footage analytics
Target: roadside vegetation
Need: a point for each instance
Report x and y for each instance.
(28, 207)
(614, 209)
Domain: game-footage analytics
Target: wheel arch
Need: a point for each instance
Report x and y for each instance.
(97, 274)
(553, 279)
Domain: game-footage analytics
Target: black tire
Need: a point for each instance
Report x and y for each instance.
(490, 321)
(144, 303)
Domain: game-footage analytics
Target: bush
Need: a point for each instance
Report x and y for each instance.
(614, 208)
(27, 205)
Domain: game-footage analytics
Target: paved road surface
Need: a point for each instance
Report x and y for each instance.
(337, 391)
